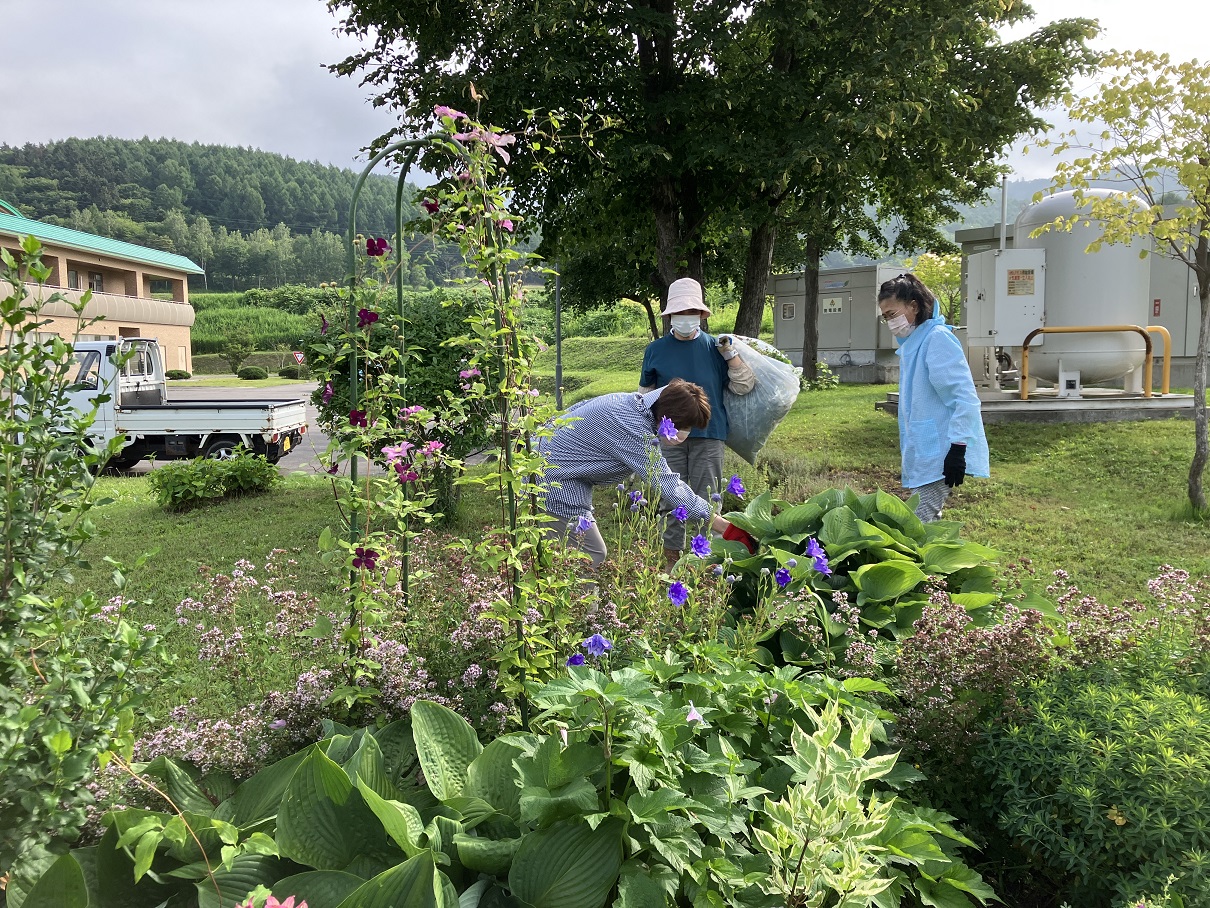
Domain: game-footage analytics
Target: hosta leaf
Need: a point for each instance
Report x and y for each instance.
(941, 894)
(318, 888)
(569, 865)
(492, 776)
(887, 580)
(259, 797)
(948, 557)
(247, 872)
(61, 886)
(412, 884)
(446, 745)
(802, 518)
(482, 855)
(179, 785)
(402, 822)
(368, 766)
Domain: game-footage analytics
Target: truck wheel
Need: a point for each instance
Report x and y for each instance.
(123, 461)
(222, 448)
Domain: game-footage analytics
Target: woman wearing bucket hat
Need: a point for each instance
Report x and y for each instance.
(687, 352)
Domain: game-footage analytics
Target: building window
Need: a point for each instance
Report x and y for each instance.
(96, 282)
(73, 279)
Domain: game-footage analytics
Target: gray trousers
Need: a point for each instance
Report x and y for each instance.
(699, 461)
(590, 542)
(932, 499)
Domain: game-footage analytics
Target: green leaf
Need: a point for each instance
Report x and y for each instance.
(61, 886)
(886, 580)
(412, 884)
(948, 557)
(368, 766)
(802, 518)
(483, 855)
(259, 797)
(180, 786)
(446, 745)
(318, 888)
(654, 806)
(569, 865)
(402, 822)
(247, 872)
(637, 888)
(543, 806)
(493, 777)
(941, 894)
(323, 822)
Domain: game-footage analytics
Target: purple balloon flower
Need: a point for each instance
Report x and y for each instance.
(575, 659)
(597, 646)
(782, 576)
(681, 513)
(736, 487)
(678, 593)
(700, 546)
(667, 430)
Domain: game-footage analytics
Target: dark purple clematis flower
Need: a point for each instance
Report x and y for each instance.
(365, 558)
(366, 317)
(357, 418)
(377, 247)
(323, 325)
(430, 206)
(326, 397)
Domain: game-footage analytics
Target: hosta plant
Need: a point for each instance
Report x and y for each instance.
(848, 571)
(700, 781)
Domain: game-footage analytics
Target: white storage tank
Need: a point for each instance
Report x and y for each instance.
(1107, 287)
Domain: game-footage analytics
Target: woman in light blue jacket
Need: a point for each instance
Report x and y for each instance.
(941, 438)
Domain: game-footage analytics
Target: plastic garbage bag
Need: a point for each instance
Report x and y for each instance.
(752, 417)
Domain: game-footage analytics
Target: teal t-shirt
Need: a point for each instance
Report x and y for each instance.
(698, 361)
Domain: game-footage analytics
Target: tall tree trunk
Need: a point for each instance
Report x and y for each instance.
(757, 266)
(1201, 447)
(813, 252)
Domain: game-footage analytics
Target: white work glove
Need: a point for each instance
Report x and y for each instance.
(726, 347)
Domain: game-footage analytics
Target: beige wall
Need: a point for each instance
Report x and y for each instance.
(125, 306)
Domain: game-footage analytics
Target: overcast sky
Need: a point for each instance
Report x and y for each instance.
(251, 72)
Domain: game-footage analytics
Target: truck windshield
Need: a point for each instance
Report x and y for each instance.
(85, 370)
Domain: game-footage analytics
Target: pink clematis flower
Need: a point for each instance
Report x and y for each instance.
(442, 111)
(497, 141)
(398, 452)
(507, 225)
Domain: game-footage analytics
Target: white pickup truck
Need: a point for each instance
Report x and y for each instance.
(139, 410)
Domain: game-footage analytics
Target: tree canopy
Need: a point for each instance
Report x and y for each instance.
(728, 125)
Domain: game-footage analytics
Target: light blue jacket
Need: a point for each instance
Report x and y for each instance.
(938, 405)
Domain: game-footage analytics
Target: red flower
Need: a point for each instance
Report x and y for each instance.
(430, 206)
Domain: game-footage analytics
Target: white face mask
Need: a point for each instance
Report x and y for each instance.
(687, 326)
(900, 326)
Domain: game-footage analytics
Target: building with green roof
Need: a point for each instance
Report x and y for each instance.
(136, 291)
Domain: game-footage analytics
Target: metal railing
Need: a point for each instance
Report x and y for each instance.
(1102, 329)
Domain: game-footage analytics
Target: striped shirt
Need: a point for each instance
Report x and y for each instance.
(608, 438)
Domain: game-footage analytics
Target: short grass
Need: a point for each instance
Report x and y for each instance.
(1101, 501)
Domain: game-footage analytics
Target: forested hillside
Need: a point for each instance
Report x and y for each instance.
(249, 218)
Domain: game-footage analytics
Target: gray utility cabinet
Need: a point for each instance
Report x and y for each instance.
(852, 341)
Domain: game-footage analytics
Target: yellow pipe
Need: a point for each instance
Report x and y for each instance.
(1163, 332)
(1087, 329)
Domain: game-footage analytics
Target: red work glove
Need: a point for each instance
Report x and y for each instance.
(735, 534)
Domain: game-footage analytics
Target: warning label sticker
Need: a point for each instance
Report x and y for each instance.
(1021, 282)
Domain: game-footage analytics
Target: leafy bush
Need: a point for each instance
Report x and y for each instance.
(825, 379)
(293, 298)
(176, 374)
(871, 573)
(655, 785)
(290, 372)
(184, 484)
(267, 328)
(252, 373)
(72, 669)
(1103, 784)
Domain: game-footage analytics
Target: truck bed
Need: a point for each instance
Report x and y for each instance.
(200, 416)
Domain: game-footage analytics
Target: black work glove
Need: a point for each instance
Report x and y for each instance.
(954, 468)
